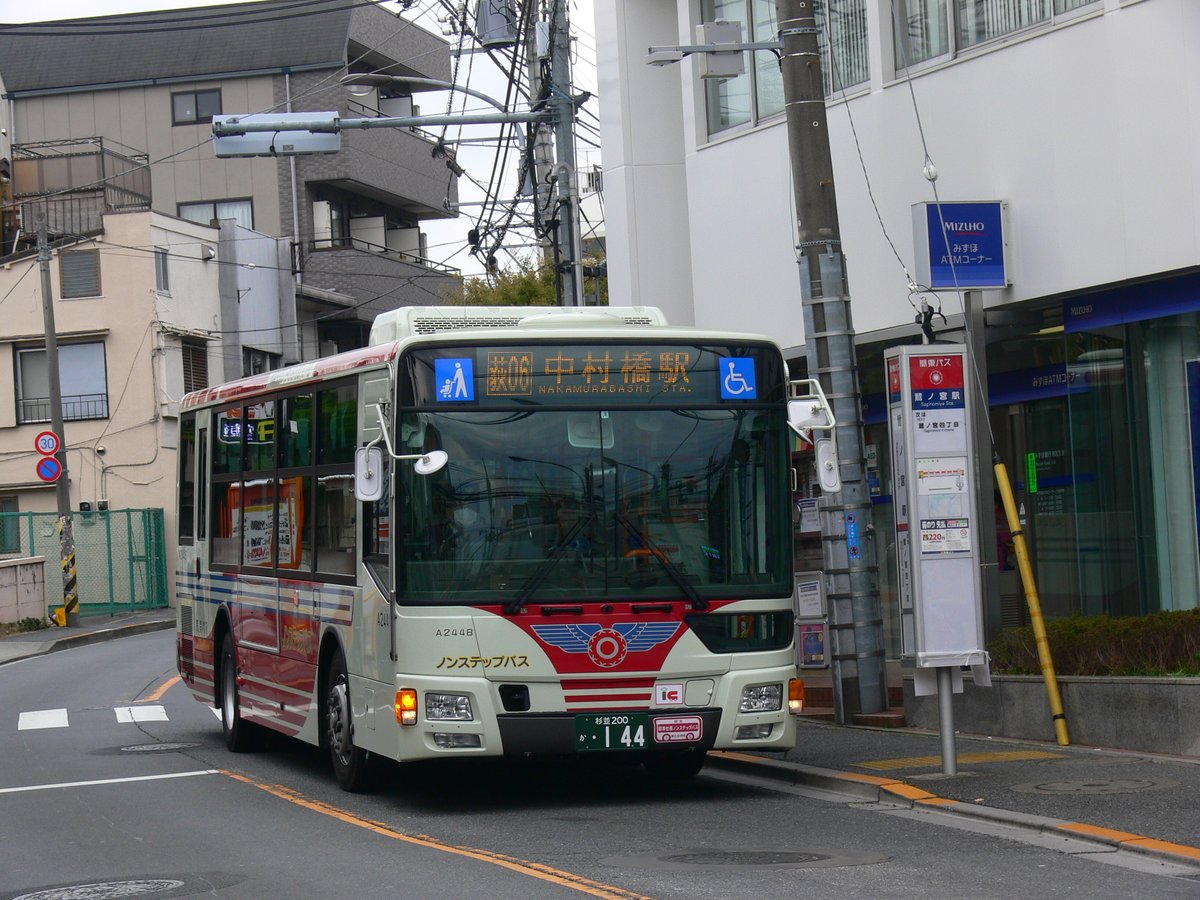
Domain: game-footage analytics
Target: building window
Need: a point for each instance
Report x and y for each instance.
(255, 362)
(194, 107)
(208, 212)
(10, 526)
(79, 271)
(195, 365)
(928, 29)
(162, 281)
(83, 383)
(749, 98)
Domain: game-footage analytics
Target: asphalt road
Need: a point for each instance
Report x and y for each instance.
(104, 782)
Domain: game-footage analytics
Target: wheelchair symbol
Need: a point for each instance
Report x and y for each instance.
(735, 384)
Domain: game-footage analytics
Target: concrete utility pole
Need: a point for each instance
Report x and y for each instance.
(62, 487)
(848, 549)
(563, 100)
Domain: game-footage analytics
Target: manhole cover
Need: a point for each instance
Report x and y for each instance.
(158, 748)
(706, 858)
(104, 890)
(1093, 786)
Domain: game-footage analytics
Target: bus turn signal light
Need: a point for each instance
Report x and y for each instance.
(795, 696)
(406, 706)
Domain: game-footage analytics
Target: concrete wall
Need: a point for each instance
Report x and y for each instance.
(23, 589)
(1154, 715)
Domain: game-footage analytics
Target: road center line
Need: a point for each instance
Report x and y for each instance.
(162, 689)
(67, 784)
(515, 864)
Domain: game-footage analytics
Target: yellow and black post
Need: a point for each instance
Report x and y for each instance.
(69, 614)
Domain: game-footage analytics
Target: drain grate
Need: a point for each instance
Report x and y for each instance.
(165, 747)
(1093, 786)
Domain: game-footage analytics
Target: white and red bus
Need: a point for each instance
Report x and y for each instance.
(496, 531)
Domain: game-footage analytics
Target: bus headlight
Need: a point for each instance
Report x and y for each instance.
(762, 698)
(448, 707)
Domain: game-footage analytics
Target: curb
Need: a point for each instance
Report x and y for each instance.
(94, 637)
(892, 790)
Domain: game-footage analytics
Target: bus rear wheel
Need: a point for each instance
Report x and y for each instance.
(351, 764)
(240, 736)
(679, 766)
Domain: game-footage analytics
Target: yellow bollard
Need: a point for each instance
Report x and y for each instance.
(1035, 604)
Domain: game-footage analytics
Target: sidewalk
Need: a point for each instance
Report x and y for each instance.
(1135, 801)
(1142, 802)
(92, 627)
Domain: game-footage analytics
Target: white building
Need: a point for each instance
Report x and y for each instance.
(1077, 114)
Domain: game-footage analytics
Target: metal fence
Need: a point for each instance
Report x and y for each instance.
(120, 555)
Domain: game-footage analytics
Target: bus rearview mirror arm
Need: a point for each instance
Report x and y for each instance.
(809, 411)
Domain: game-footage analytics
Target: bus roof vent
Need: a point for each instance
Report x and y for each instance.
(407, 321)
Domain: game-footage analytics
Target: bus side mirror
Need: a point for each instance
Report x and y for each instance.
(368, 474)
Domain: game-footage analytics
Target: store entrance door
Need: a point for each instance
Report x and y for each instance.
(1033, 440)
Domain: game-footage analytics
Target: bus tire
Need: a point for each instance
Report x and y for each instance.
(240, 735)
(679, 766)
(351, 764)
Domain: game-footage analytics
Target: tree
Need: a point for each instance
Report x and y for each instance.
(527, 284)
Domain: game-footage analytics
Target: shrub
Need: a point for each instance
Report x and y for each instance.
(1163, 643)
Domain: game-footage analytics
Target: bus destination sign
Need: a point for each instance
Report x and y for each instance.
(560, 374)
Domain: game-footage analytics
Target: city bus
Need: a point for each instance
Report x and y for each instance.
(496, 532)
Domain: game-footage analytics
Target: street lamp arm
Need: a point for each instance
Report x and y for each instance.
(430, 83)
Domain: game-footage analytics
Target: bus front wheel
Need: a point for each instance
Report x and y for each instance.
(350, 763)
(239, 734)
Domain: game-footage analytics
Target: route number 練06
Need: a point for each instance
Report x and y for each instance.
(612, 731)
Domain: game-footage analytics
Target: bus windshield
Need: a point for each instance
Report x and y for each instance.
(548, 505)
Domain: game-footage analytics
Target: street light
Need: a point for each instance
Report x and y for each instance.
(361, 83)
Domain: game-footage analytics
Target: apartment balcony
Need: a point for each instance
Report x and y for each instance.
(376, 277)
(395, 166)
(74, 182)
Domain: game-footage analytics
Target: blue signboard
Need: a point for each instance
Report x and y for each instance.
(737, 378)
(455, 379)
(962, 244)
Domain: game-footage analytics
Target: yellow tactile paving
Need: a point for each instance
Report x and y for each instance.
(920, 762)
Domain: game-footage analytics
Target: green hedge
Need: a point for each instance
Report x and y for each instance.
(1164, 643)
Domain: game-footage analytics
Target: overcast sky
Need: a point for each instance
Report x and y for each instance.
(447, 239)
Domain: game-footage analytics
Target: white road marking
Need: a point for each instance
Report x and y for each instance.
(42, 718)
(140, 713)
(67, 784)
(216, 712)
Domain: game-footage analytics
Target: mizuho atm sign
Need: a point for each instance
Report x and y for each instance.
(960, 245)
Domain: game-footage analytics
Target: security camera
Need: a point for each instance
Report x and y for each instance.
(101, 449)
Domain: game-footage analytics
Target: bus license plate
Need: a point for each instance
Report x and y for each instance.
(612, 731)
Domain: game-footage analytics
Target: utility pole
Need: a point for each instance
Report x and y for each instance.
(564, 175)
(62, 487)
(540, 150)
(848, 550)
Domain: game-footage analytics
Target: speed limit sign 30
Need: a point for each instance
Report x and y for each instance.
(46, 443)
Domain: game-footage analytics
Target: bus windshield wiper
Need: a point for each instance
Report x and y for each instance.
(535, 580)
(669, 567)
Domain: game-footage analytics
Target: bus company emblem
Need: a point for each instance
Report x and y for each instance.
(607, 647)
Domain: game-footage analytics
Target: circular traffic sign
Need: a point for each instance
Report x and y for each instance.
(46, 443)
(49, 468)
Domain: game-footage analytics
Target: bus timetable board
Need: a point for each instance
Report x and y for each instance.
(937, 522)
